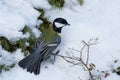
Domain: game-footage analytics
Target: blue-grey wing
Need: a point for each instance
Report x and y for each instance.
(49, 48)
(44, 50)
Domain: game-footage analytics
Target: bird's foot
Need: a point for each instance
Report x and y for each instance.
(54, 57)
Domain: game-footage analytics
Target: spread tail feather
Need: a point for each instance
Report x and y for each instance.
(31, 63)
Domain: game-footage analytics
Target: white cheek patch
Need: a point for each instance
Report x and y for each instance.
(58, 25)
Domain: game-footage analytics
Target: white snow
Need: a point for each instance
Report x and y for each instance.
(8, 58)
(14, 15)
(98, 18)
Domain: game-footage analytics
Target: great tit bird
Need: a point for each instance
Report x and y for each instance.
(44, 47)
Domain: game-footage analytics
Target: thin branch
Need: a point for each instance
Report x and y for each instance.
(77, 60)
(74, 49)
(81, 51)
(72, 58)
(87, 55)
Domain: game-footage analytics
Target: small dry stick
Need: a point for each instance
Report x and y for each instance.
(79, 60)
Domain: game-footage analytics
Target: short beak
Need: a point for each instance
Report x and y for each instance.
(68, 24)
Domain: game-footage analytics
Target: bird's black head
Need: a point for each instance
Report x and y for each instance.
(59, 23)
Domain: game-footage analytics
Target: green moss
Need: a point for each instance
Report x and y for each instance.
(41, 17)
(10, 47)
(6, 68)
(5, 43)
(31, 40)
(45, 25)
(81, 2)
(32, 37)
(1, 67)
(12, 65)
(42, 13)
(21, 44)
(57, 3)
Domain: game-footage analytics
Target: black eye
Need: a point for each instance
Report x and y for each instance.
(63, 21)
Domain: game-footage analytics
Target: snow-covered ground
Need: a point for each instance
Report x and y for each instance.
(98, 18)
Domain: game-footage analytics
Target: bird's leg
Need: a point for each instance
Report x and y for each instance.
(54, 55)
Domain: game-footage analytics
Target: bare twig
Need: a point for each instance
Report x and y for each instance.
(81, 51)
(78, 60)
(74, 49)
(88, 46)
